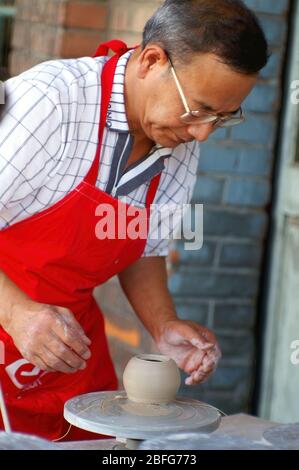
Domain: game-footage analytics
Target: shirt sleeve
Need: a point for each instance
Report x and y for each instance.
(174, 193)
(30, 138)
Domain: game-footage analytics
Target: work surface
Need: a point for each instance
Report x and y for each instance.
(240, 425)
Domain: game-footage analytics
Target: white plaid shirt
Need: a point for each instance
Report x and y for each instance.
(48, 140)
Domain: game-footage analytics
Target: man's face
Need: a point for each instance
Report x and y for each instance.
(208, 85)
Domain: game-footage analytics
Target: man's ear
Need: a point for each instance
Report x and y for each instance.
(151, 57)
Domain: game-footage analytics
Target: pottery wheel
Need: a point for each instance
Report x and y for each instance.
(112, 414)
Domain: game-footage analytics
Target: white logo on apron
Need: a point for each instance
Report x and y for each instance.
(13, 368)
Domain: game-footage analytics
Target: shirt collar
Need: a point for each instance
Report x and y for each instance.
(116, 116)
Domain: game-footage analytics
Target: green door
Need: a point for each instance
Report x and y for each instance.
(7, 13)
(280, 375)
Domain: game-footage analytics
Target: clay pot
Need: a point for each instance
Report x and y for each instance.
(151, 378)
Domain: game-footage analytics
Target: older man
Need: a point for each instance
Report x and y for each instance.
(124, 132)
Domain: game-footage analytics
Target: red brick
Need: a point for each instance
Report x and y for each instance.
(119, 18)
(129, 16)
(174, 257)
(21, 60)
(78, 43)
(55, 14)
(91, 15)
(43, 11)
(51, 39)
(20, 37)
(140, 15)
(23, 10)
(15, 63)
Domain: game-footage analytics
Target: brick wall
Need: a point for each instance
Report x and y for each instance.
(46, 29)
(220, 283)
(127, 18)
(217, 286)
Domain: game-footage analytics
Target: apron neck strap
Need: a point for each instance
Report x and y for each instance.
(120, 48)
(152, 190)
(117, 46)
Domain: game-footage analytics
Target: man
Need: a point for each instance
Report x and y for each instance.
(76, 134)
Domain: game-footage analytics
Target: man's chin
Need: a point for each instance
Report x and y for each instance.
(167, 142)
(170, 140)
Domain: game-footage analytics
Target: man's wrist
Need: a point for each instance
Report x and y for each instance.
(158, 329)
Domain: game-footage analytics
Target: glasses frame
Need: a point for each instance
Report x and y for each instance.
(192, 117)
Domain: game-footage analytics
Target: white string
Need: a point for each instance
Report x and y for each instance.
(70, 426)
(4, 413)
(214, 408)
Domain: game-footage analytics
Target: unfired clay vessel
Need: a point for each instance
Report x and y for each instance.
(152, 379)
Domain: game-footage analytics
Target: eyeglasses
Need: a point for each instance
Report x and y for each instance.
(204, 117)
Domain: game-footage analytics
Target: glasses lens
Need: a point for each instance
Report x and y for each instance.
(230, 122)
(198, 117)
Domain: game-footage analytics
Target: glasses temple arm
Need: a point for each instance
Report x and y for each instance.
(187, 109)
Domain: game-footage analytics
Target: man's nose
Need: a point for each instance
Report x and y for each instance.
(201, 131)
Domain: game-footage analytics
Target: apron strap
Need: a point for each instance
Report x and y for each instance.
(106, 90)
(120, 48)
(117, 46)
(151, 193)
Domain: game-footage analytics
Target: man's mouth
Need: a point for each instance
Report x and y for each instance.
(183, 139)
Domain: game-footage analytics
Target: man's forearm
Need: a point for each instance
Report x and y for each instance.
(10, 296)
(145, 285)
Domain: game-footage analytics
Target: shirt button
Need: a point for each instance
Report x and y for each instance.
(109, 123)
(116, 261)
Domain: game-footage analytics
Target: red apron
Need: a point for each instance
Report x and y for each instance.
(55, 258)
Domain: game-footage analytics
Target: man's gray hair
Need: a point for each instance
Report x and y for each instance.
(226, 28)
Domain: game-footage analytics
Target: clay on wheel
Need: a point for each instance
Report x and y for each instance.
(151, 378)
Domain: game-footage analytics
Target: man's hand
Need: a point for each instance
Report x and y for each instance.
(49, 337)
(193, 347)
